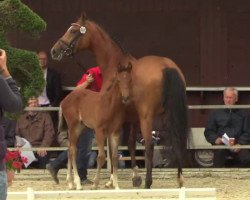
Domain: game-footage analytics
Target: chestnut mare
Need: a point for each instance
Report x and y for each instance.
(158, 86)
(101, 112)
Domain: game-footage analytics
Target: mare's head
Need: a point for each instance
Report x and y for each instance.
(76, 38)
(125, 81)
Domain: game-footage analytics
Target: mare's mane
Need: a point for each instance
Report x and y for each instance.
(112, 36)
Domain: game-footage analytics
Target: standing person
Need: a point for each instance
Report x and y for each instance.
(92, 80)
(10, 101)
(37, 128)
(52, 93)
(9, 126)
(233, 122)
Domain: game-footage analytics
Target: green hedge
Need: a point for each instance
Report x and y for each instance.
(23, 64)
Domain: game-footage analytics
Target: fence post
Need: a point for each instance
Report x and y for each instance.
(30, 194)
(182, 193)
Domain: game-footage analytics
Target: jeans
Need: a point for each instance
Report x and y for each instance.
(84, 148)
(3, 185)
(92, 159)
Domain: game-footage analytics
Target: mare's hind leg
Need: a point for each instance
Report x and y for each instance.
(133, 128)
(74, 134)
(101, 158)
(146, 129)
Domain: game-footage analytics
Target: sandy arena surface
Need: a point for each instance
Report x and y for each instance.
(230, 184)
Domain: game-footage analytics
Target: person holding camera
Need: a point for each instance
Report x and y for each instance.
(10, 101)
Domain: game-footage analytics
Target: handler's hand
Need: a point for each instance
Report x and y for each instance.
(3, 64)
(90, 78)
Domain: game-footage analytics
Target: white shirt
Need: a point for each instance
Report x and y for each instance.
(43, 98)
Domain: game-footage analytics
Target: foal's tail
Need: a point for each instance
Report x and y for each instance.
(176, 111)
(62, 125)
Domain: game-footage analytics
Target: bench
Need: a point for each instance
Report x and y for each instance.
(203, 151)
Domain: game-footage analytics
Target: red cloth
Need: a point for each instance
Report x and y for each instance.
(97, 75)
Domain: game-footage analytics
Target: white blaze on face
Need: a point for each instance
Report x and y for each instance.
(69, 28)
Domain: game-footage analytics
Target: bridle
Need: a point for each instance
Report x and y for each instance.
(68, 48)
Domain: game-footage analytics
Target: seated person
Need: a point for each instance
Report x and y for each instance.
(234, 123)
(37, 128)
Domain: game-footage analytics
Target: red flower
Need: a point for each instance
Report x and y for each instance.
(14, 161)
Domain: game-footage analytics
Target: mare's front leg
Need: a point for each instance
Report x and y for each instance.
(133, 128)
(146, 129)
(101, 158)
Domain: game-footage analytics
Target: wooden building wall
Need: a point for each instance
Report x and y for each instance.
(208, 39)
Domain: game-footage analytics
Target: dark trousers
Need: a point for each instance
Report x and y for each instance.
(41, 161)
(242, 158)
(84, 149)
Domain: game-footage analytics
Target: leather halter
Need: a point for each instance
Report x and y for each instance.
(68, 48)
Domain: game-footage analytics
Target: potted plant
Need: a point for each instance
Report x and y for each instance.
(14, 163)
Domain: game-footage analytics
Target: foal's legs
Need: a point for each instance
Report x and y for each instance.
(69, 172)
(146, 129)
(114, 140)
(74, 133)
(101, 158)
(110, 184)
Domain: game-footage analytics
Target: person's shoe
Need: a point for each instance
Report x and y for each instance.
(53, 172)
(86, 182)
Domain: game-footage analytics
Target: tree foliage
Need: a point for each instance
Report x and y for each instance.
(23, 64)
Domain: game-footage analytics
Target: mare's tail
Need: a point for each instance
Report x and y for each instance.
(176, 111)
(62, 125)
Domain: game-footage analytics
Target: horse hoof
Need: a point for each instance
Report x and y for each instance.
(94, 187)
(137, 181)
(70, 186)
(79, 187)
(109, 185)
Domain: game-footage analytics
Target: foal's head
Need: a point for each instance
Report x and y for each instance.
(76, 38)
(125, 81)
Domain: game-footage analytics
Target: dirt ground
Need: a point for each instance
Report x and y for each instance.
(230, 184)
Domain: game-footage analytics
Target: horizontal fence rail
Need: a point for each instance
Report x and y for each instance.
(138, 147)
(190, 107)
(190, 88)
(181, 194)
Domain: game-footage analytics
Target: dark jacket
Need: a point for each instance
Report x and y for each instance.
(10, 131)
(232, 122)
(10, 100)
(53, 87)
